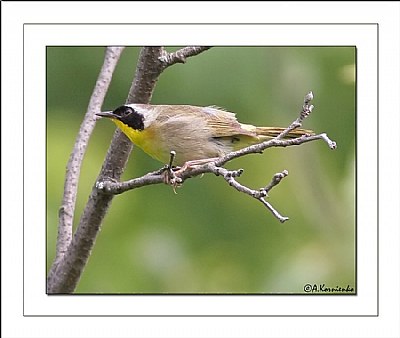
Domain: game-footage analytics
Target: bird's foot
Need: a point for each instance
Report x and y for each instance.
(169, 171)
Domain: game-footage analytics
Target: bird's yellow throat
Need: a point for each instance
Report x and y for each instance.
(142, 138)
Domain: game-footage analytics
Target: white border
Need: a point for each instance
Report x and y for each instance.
(36, 39)
(15, 325)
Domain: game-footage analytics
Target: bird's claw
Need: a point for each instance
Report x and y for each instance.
(169, 172)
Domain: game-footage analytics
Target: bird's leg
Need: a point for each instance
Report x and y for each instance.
(171, 173)
(168, 170)
(191, 164)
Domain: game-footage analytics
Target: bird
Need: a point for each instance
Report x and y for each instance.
(194, 134)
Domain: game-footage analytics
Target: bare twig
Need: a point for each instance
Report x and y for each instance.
(66, 211)
(259, 195)
(305, 112)
(180, 55)
(278, 177)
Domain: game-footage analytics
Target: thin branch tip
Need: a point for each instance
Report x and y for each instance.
(308, 97)
(276, 179)
(332, 144)
(180, 55)
(277, 215)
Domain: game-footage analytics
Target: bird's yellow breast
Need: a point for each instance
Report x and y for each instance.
(146, 139)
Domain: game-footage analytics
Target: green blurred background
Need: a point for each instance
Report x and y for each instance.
(208, 238)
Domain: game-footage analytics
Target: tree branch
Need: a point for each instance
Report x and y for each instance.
(73, 252)
(180, 55)
(66, 211)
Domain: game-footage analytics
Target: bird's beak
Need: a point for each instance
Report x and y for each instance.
(108, 114)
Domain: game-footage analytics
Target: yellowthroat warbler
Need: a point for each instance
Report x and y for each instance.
(194, 133)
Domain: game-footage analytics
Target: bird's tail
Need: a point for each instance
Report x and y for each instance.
(275, 131)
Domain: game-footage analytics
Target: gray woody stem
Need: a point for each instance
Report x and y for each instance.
(66, 211)
(72, 255)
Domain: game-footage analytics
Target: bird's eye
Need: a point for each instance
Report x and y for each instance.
(126, 111)
(123, 111)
